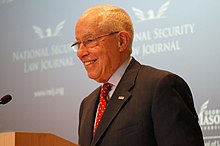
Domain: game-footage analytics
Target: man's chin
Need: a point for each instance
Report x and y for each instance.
(92, 77)
(97, 79)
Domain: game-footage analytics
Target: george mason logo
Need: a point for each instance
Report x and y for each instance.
(48, 32)
(209, 119)
(151, 14)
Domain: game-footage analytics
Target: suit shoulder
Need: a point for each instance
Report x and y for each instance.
(153, 72)
(92, 95)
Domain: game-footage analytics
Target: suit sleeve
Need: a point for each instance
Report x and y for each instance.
(174, 117)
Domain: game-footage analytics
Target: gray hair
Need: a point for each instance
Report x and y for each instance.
(113, 19)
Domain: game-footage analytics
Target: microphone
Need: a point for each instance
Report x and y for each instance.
(5, 99)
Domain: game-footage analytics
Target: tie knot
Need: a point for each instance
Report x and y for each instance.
(105, 89)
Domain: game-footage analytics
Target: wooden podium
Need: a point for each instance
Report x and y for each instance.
(32, 139)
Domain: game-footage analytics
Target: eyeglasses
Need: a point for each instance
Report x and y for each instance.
(92, 42)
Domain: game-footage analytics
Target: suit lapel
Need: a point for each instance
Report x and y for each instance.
(118, 101)
(87, 120)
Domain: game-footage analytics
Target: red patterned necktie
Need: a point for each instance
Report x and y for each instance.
(102, 103)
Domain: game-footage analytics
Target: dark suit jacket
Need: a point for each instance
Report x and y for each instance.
(157, 110)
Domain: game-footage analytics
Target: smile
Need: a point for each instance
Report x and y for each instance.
(89, 62)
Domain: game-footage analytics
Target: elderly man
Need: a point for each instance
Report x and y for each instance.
(137, 105)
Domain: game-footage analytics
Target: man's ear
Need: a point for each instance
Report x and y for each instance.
(123, 40)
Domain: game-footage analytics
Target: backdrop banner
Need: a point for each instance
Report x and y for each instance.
(42, 73)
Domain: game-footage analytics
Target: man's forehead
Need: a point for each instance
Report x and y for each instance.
(86, 30)
(88, 24)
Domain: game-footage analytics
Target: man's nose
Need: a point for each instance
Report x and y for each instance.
(82, 51)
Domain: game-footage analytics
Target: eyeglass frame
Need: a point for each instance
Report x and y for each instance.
(91, 40)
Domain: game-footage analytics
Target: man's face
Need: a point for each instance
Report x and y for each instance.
(102, 59)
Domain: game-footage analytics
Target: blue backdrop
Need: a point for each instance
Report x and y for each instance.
(47, 81)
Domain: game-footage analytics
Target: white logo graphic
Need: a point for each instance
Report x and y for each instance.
(202, 110)
(209, 119)
(151, 13)
(48, 32)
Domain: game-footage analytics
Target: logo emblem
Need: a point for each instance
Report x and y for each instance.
(48, 32)
(121, 97)
(202, 110)
(209, 119)
(151, 14)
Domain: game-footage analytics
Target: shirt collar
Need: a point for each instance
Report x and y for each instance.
(116, 77)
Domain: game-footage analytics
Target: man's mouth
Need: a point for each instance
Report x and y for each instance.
(89, 62)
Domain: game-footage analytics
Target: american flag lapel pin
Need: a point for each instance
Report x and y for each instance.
(121, 97)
